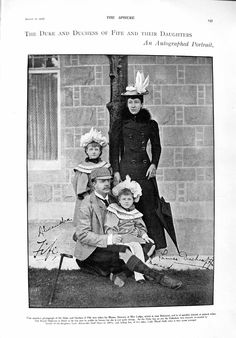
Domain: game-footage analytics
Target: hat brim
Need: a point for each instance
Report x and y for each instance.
(103, 177)
(134, 93)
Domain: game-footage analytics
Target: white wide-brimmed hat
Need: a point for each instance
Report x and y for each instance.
(133, 186)
(93, 136)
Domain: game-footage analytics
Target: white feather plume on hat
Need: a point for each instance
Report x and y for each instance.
(141, 83)
(133, 186)
(140, 87)
(93, 136)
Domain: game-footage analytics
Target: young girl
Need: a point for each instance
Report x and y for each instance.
(122, 218)
(93, 143)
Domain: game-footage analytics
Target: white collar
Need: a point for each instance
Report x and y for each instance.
(122, 213)
(100, 196)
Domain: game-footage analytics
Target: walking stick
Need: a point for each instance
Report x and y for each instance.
(58, 272)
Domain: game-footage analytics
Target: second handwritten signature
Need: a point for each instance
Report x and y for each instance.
(183, 259)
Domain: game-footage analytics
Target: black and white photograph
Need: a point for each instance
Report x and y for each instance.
(118, 165)
(120, 180)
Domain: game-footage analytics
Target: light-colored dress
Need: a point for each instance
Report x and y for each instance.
(81, 182)
(127, 223)
(130, 225)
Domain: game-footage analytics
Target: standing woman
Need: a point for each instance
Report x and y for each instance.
(128, 141)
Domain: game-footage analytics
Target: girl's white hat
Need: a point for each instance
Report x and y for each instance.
(93, 136)
(140, 86)
(133, 186)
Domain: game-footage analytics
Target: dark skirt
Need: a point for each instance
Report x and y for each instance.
(147, 206)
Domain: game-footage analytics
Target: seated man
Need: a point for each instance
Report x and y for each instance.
(95, 248)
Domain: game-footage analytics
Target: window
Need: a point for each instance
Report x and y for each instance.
(43, 112)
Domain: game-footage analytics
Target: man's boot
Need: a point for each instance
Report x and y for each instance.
(135, 264)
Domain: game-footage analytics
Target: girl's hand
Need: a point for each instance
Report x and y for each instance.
(117, 178)
(151, 172)
(147, 239)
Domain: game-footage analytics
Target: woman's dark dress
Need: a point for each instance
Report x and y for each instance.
(128, 142)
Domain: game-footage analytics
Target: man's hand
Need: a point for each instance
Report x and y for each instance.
(116, 239)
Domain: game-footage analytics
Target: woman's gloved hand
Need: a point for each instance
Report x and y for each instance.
(151, 172)
(117, 178)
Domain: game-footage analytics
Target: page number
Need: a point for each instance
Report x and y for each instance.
(210, 20)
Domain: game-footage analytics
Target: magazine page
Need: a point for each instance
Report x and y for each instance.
(118, 147)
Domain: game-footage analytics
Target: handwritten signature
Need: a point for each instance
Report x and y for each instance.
(43, 228)
(184, 259)
(46, 249)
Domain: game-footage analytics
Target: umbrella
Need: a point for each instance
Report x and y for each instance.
(164, 213)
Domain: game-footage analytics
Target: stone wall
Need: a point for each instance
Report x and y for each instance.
(180, 100)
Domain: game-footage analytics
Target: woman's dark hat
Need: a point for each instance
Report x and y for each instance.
(139, 88)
